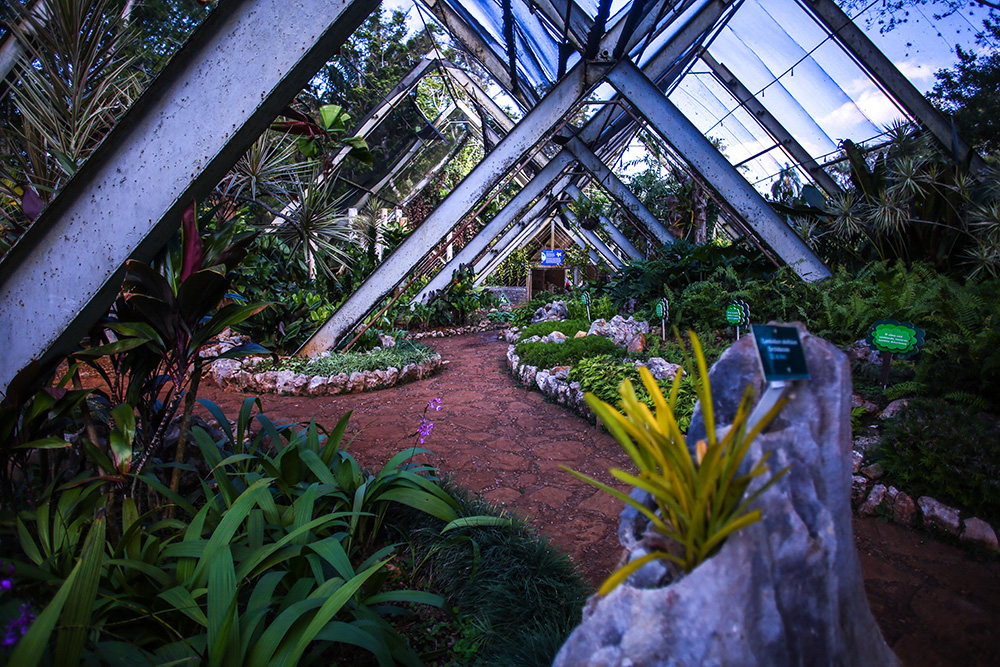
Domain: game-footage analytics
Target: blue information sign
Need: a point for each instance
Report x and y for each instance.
(552, 257)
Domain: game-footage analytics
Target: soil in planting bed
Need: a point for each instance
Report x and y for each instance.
(936, 604)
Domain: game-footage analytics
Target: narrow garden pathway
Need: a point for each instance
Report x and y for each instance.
(492, 435)
(936, 604)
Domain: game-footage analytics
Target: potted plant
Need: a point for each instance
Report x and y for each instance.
(588, 212)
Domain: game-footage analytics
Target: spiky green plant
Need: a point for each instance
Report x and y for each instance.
(701, 499)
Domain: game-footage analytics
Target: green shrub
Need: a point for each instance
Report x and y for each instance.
(542, 329)
(945, 451)
(701, 497)
(602, 376)
(550, 355)
(403, 353)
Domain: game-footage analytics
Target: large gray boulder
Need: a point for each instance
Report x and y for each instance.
(557, 310)
(785, 591)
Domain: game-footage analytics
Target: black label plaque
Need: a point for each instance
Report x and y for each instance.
(780, 352)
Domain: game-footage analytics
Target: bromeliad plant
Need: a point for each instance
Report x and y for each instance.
(701, 499)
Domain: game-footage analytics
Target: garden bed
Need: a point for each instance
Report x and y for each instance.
(327, 375)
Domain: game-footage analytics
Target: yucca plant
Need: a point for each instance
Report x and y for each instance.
(701, 496)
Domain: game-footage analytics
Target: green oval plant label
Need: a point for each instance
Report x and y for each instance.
(662, 308)
(902, 339)
(738, 313)
(585, 298)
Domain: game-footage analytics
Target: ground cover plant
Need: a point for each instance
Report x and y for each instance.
(567, 327)
(403, 353)
(517, 596)
(602, 376)
(567, 353)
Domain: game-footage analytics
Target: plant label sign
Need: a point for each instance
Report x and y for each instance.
(738, 314)
(892, 338)
(585, 298)
(901, 339)
(663, 309)
(504, 301)
(780, 352)
(663, 312)
(552, 257)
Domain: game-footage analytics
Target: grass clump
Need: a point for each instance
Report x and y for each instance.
(567, 353)
(519, 594)
(568, 327)
(945, 451)
(405, 352)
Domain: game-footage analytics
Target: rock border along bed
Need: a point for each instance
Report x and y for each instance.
(229, 375)
(873, 498)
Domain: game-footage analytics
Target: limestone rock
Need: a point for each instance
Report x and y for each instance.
(866, 443)
(556, 310)
(555, 337)
(784, 591)
(893, 408)
(904, 510)
(637, 344)
(857, 458)
(661, 369)
(562, 372)
(386, 341)
(979, 533)
(859, 488)
(874, 471)
(338, 383)
(290, 383)
(580, 334)
(939, 515)
(618, 329)
(318, 386)
(355, 382)
(859, 402)
(875, 498)
(861, 351)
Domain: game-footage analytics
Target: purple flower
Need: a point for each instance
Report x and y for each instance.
(424, 429)
(18, 627)
(6, 584)
(434, 404)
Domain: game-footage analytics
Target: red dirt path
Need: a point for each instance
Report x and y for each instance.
(936, 604)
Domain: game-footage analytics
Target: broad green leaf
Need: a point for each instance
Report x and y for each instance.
(78, 611)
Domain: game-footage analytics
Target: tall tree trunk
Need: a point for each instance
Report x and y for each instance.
(699, 211)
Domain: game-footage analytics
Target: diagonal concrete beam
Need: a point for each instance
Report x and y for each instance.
(681, 133)
(525, 136)
(199, 115)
